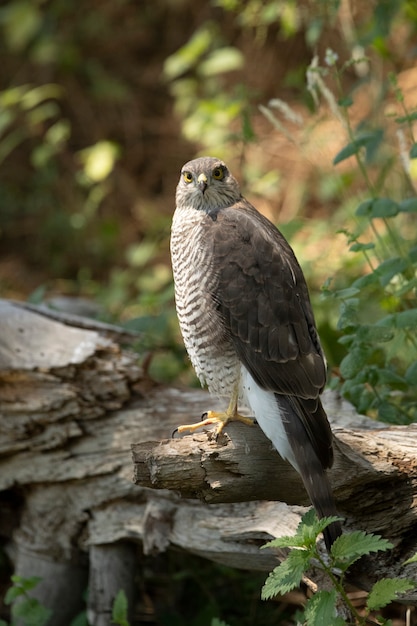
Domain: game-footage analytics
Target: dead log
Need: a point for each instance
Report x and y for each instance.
(374, 476)
(72, 402)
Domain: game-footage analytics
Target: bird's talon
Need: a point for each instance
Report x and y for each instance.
(204, 416)
(174, 432)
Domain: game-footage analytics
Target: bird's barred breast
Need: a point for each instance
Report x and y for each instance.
(213, 358)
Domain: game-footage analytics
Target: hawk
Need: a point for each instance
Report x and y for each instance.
(247, 323)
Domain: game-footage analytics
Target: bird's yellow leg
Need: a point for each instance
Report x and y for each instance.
(221, 418)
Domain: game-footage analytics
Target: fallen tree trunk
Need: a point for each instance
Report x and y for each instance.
(71, 404)
(374, 476)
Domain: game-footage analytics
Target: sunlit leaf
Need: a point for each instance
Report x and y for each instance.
(99, 160)
(21, 21)
(350, 546)
(287, 575)
(222, 60)
(386, 590)
(412, 559)
(186, 57)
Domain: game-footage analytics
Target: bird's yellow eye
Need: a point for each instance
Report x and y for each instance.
(218, 173)
(187, 176)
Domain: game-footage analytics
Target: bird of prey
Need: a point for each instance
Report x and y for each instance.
(247, 323)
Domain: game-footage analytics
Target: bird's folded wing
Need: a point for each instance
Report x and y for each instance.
(263, 299)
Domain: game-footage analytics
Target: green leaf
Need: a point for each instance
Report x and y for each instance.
(413, 151)
(307, 532)
(407, 118)
(217, 622)
(390, 268)
(222, 60)
(346, 152)
(119, 609)
(402, 319)
(321, 609)
(354, 362)
(287, 575)
(375, 334)
(20, 587)
(412, 559)
(388, 413)
(310, 527)
(351, 546)
(384, 207)
(388, 377)
(345, 102)
(364, 208)
(80, 620)
(353, 148)
(366, 281)
(359, 247)
(409, 205)
(343, 294)
(187, 57)
(21, 21)
(411, 373)
(31, 612)
(377, 208)
(12, 593)
(386, 590)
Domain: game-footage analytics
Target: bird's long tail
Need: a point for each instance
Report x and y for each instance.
(311, 455)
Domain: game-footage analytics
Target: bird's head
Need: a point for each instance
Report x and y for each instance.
(206, 185)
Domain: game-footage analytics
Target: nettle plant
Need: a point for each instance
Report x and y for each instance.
(332, 606)
(378, 310)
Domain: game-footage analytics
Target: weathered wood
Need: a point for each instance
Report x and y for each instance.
(112, 569)
(66, 484)
(374, 479)
(374, 476)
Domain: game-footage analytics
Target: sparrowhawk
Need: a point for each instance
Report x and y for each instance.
(247, 322)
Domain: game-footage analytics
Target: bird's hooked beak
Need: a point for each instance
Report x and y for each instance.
(202, 182)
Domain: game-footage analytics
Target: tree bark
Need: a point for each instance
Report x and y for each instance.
(71, 404)
(374, 476)
(112, 569)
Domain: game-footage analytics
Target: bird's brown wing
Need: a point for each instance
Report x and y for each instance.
(263, 299)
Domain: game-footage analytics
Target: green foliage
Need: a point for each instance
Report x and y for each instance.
(119, 609)
(25, 609)
(412, 559)
(321, 609)
(386, 590)
(345, 551)
(197, 74)
(288, 574)
(29, 612)
(378, 309)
